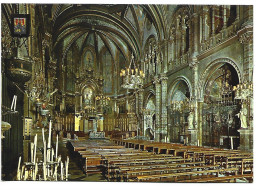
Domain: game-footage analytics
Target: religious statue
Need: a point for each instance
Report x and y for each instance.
(190, 120)
(242, 116)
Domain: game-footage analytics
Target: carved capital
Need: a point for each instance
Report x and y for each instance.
(156, 80)
(163, 77)
(246, 35)
(194, 62)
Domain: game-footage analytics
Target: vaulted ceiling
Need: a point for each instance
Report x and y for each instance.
(122, 28)
(118, 27)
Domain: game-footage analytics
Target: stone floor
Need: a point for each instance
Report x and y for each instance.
(75, 172)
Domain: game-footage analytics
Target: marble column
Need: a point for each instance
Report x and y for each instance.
(157, 108)
(164, 98)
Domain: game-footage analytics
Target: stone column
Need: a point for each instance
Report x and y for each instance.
(178, 36)
(213, 28)
(141, 115)
(246, 38)
(164, 122)
(157, 108)
(238, 12)
(189, 23)
(165, 57)
(196, 41)
(183, 45)
(224, 16)
(194, 100)
(246, 140)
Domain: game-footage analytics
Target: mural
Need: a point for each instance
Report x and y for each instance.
(88, 59)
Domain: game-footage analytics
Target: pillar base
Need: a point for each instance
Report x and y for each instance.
(246, 139)
(193, 140)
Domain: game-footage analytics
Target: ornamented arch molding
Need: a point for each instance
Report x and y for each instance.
(215, 63)
(173, 85)
(148, 95)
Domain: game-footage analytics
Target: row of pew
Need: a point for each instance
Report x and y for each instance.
(147, 161)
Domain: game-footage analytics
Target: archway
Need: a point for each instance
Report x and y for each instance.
(219, 121)
(179, 108)
(149, 117)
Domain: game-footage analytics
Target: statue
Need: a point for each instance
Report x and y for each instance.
(242, 115)
(190, 120)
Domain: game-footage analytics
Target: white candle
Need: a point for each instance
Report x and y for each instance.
(18, 169)
(32, 146)
(67, 168)
(12, 103)
(35, 172)
(198, 142)
(61, 171)
(57, 148)
(44, 171)
(43, 138)
(49, 139)
(35, 148)
(44, 151)
(52, 154)
(15, 102)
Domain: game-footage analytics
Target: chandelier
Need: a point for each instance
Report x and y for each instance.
(181, 105)
(243, 90)
(90, 109)
(132, 76)
(102, 100)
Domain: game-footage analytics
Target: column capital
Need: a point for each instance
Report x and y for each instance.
(194, 62)
(163, 77)
(246, 34)
(156, 80)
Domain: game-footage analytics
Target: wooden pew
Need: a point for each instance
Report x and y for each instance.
(137, 173)
(176, 176)
(221, 179)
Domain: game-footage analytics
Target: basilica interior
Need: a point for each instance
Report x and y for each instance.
(95, 92)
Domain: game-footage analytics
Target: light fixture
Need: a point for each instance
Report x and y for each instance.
(102, 100)
(132, 76)
(243, 90)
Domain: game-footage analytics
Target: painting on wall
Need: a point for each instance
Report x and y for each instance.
(88, 60)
